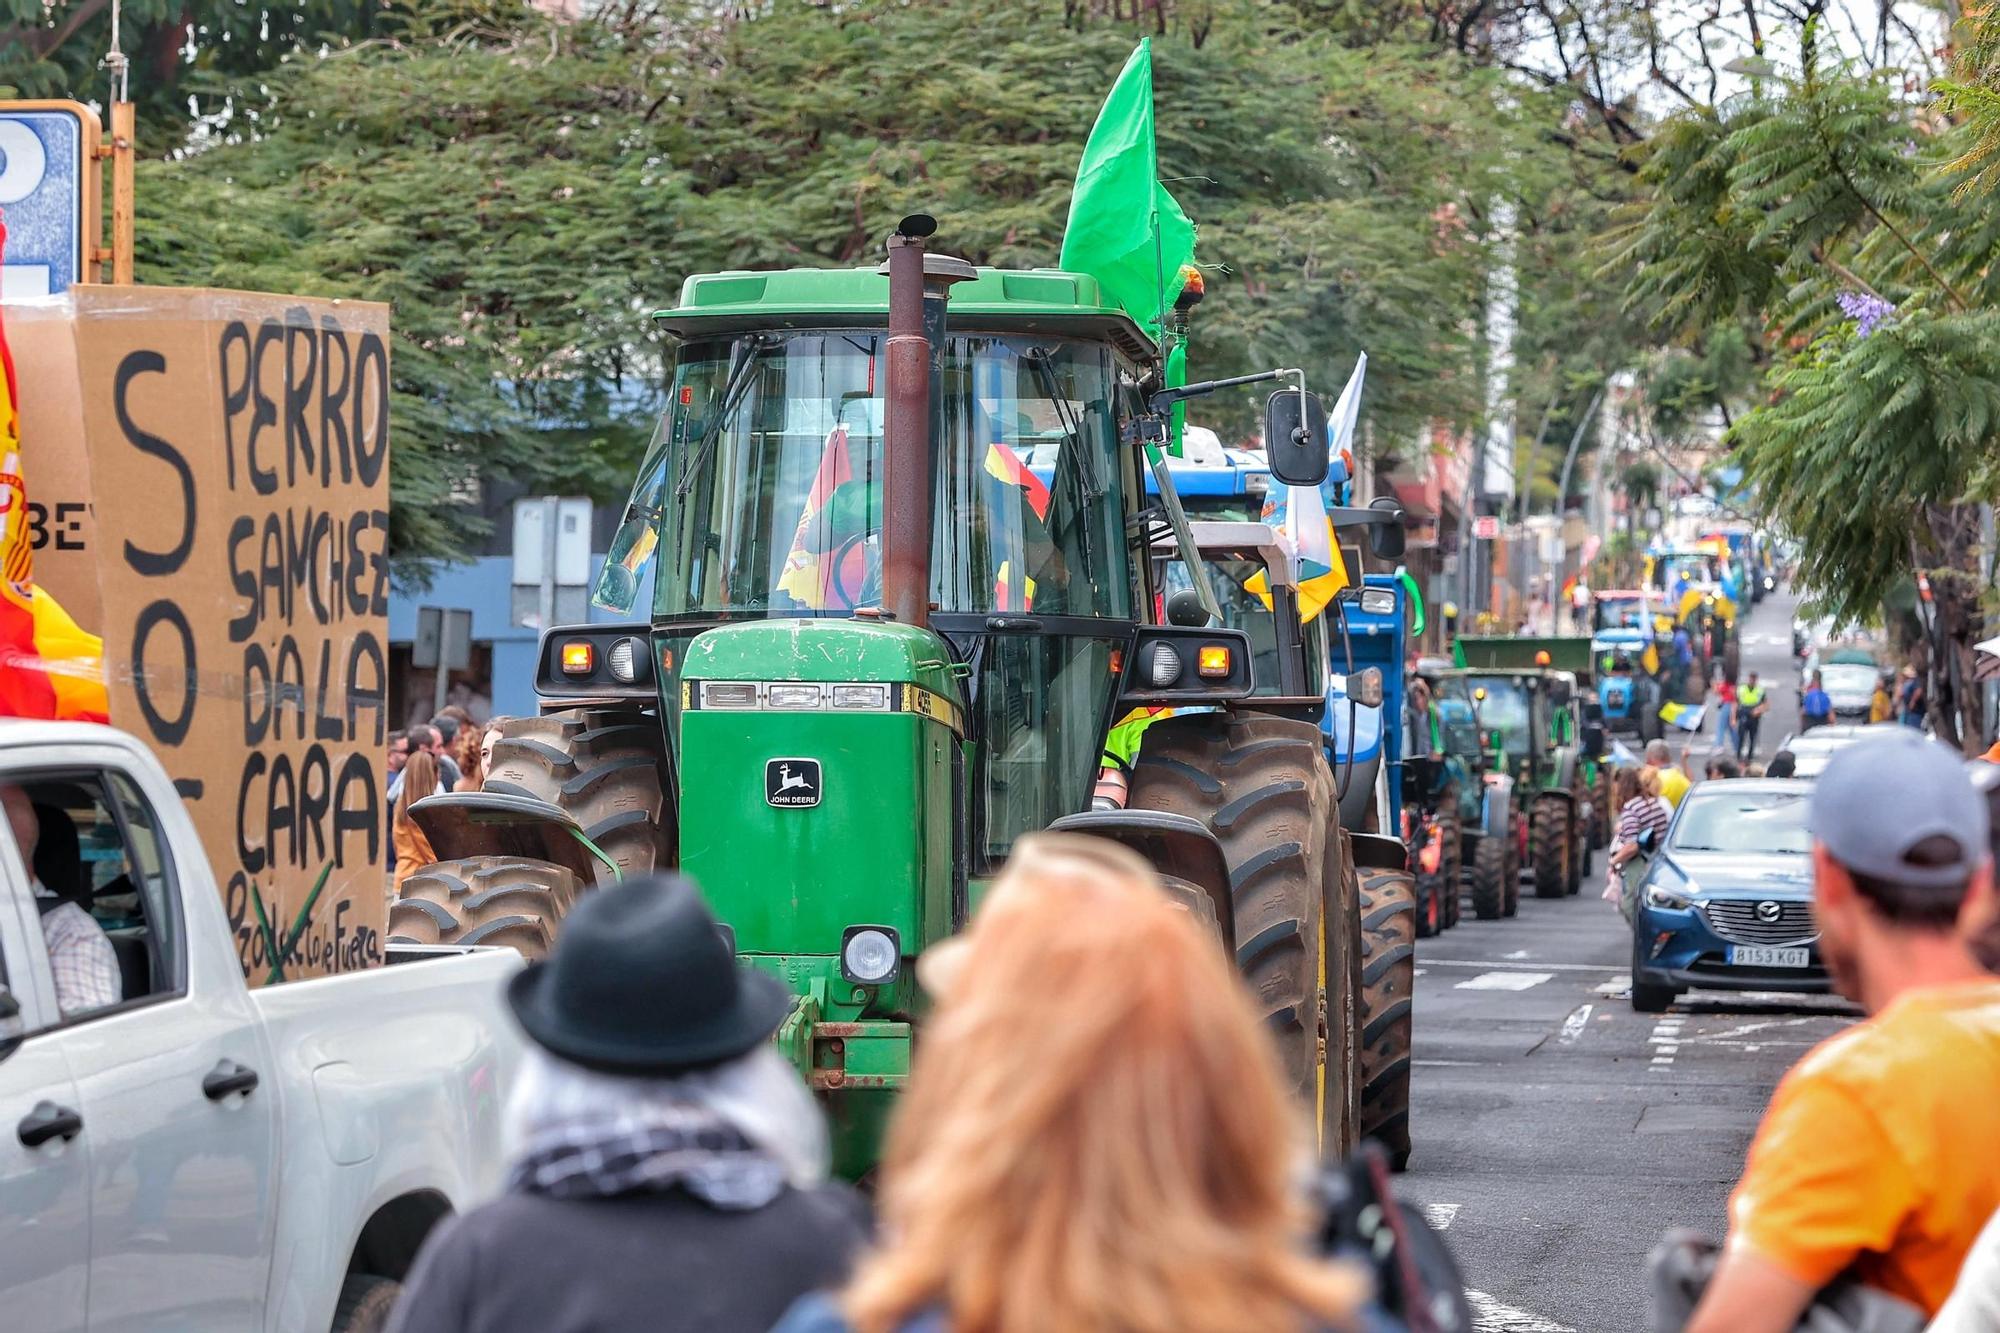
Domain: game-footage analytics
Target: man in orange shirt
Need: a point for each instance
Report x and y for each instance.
(1876, 1158)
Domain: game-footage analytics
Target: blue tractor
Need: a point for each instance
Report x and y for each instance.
(1628, 696)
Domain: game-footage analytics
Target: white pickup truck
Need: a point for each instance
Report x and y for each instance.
(199, 1155)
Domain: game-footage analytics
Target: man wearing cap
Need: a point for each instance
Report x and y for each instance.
(1876, 1158)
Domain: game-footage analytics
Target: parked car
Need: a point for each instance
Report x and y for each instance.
(198, 1154)
(1812, 749)
(1726, 901)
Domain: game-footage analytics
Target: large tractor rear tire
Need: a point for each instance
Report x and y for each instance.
(605, 768)
(1549, 845)
(1489, 878)
(1388, 980)
(506, 900)
(1261, 784)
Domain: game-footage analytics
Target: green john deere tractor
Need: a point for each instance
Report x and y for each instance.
(1530, 716)
(878, 648)
(1251, 575)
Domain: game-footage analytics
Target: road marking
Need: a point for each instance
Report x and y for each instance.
(1619, 985)
(1503, 962)
(1455, 1064)
(1573, 1025)
(1441, 1215)
(1665, 1040)
(1517, 955)
(1505, 981)
(1417, 971)
(1490, 1316)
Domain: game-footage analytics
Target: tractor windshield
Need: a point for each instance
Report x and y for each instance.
(1505, 711)
(764, 482)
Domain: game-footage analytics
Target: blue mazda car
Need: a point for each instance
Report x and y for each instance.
(1726, 902)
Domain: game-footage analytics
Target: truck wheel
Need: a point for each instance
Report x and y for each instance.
(1261, 784)
(602, 766)
(364, 1304)
(1648, 997)
(1549, 846)
(506, 900)
(1489, 875)
(1388, 980)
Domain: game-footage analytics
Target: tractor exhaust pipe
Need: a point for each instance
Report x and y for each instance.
(919, 285)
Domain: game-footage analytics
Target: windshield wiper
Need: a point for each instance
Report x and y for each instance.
(1038, 360)
(748, 352)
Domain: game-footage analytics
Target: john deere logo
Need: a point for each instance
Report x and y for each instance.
(1766, 911)
(791, 782)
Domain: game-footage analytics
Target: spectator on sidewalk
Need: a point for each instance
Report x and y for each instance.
(1097, 1134)
(668, 1167)
(1673, 781)
(1875, 1159)
(1815, 705)
(1882, 704)
(1910, 699)
(1726, 737)
(418, 779)
(1752, 704)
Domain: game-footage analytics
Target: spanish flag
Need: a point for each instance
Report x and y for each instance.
(50, 667)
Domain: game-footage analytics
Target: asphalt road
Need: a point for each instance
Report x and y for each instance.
(1558, 1133)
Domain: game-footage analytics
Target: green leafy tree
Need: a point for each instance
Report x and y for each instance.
(1817, 211)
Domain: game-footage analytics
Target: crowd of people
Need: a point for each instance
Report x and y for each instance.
(451, 752)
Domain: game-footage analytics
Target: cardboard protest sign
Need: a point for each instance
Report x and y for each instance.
(237, 480)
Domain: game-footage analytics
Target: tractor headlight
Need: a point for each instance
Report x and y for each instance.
(868, 697)
(1163, 665)
(870, 955)
(792, 694)
(624, 660)
(1378, 601)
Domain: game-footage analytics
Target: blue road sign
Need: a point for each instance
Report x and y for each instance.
(44, 196)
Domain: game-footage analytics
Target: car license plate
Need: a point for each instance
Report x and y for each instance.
(1756, 955)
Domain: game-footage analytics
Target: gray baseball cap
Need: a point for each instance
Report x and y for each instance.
(1882, 795)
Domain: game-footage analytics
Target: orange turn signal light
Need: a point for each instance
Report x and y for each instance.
(1213, 660)
(577, 658)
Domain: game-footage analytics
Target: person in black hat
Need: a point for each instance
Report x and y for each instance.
(668, 1167)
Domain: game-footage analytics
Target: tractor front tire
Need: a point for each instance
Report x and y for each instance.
(1261, 785)
(1549, 844)
(605, 768)
(508, 900)
(1452, 871)
(1489, 878)
(1512, 879)
(1388, 980)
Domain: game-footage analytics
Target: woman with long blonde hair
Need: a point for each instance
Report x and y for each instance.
(1096, 1137)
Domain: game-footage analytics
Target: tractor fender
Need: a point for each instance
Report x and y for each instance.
(1496, 806)
(1374, 851)
(1172, 844)
(462, 825)
(1565, 783)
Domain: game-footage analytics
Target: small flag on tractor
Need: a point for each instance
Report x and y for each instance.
(1124, 228)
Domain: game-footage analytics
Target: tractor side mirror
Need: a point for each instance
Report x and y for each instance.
(1593, 739)
(1386, 539)
(1559, 691)
(1295, 443)
(1365, 687)
(1185, 608)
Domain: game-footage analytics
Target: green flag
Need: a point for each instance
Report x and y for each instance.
(1124, 229)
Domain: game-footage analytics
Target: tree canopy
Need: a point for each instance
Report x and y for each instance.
(524, 190)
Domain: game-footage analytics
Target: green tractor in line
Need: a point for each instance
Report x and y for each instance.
(1463, 806)
(1532, 719)
(879, 649)
(1251, 575)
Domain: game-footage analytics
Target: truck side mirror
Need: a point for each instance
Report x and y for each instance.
(1386, 540)
(1295, 443)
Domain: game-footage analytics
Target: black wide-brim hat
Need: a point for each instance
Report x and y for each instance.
(641, 982)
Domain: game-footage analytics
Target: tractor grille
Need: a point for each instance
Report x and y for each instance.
(1737, 920)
